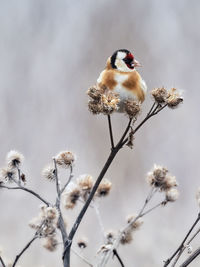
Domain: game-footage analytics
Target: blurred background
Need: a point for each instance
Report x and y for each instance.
(50, 53)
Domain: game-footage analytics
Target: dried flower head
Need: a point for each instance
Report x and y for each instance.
(52, 213)
(132, 108)
(49, 172)
(157, 176)
(134, 224)
(50, 243)
(169, 182)
(109, 102)
(7, 175)
(72, 195)
(65, 159)
(85, 182)
(172, 195)
(95, 92)
(198, 196)
(126, 237)
(82, 243)
(94, 107)
(14, 159)
(174, 98)
(104, 188)
(160, 95)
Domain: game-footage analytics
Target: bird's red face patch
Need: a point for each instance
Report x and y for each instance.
(129, 60)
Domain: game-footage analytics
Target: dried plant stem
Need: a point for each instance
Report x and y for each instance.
(191, 258)
(118, 257)
(110, 131)
(81, 257)
(98, 215)
(113, 153)
(69, 179)
(184, 247)
(24, 249)
(167, 262)
(141, 214)
(27, 190)
(2, 262)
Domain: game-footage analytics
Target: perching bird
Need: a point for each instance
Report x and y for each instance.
(121, 77)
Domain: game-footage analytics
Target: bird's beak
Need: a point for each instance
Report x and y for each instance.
(137, 63)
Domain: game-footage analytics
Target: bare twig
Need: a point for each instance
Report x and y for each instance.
(69, 179)
(110, 131)
(24, 249)
(118, 257)
(98, 215)
(56, 176)
(81, 257)
(2, 262)
(27, 190)
(167, 262)
(191, 258)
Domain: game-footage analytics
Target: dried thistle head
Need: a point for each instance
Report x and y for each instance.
(172, 195)
(126, 237)
(104, 188)
(134, 224)
(14, 159)
(49, 172)
(65, 159)
(71, 197)
(132, 108)
(174, 98)
(109, 102)
(159, 95)
(85, 182)
(169, 182)
(7, 175)
(82, 243)
(94, 107)
(157, 176)
(95, 92)
(50, 243)
(52, 213)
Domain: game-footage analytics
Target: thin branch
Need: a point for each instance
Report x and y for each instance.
(118, 257)
(167, 262)
(153, 208)
(125, 133)
(110, 131)
(2, 262)
(191, 258)
(56, 176)
(24, 249)
(184, 247)
(81, 257)
(151, 109)
(69, 179)
(27, 190)
(98, 215)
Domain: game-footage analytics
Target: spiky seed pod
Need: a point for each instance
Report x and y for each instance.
(172, 195)
(95, 93)
(109, 102)
(174, 98)
(72, 197)
(14, 159)
(94, 107)
(132, 108)
(7, 175)
(159, 95)
(104, 188)
(65, 159)
(50, 243)
(134, 225)
(126, 237)
(49, 172)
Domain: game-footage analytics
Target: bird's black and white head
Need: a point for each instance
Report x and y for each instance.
(123, 60)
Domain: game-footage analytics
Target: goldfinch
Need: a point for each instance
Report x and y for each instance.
(121, 77)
